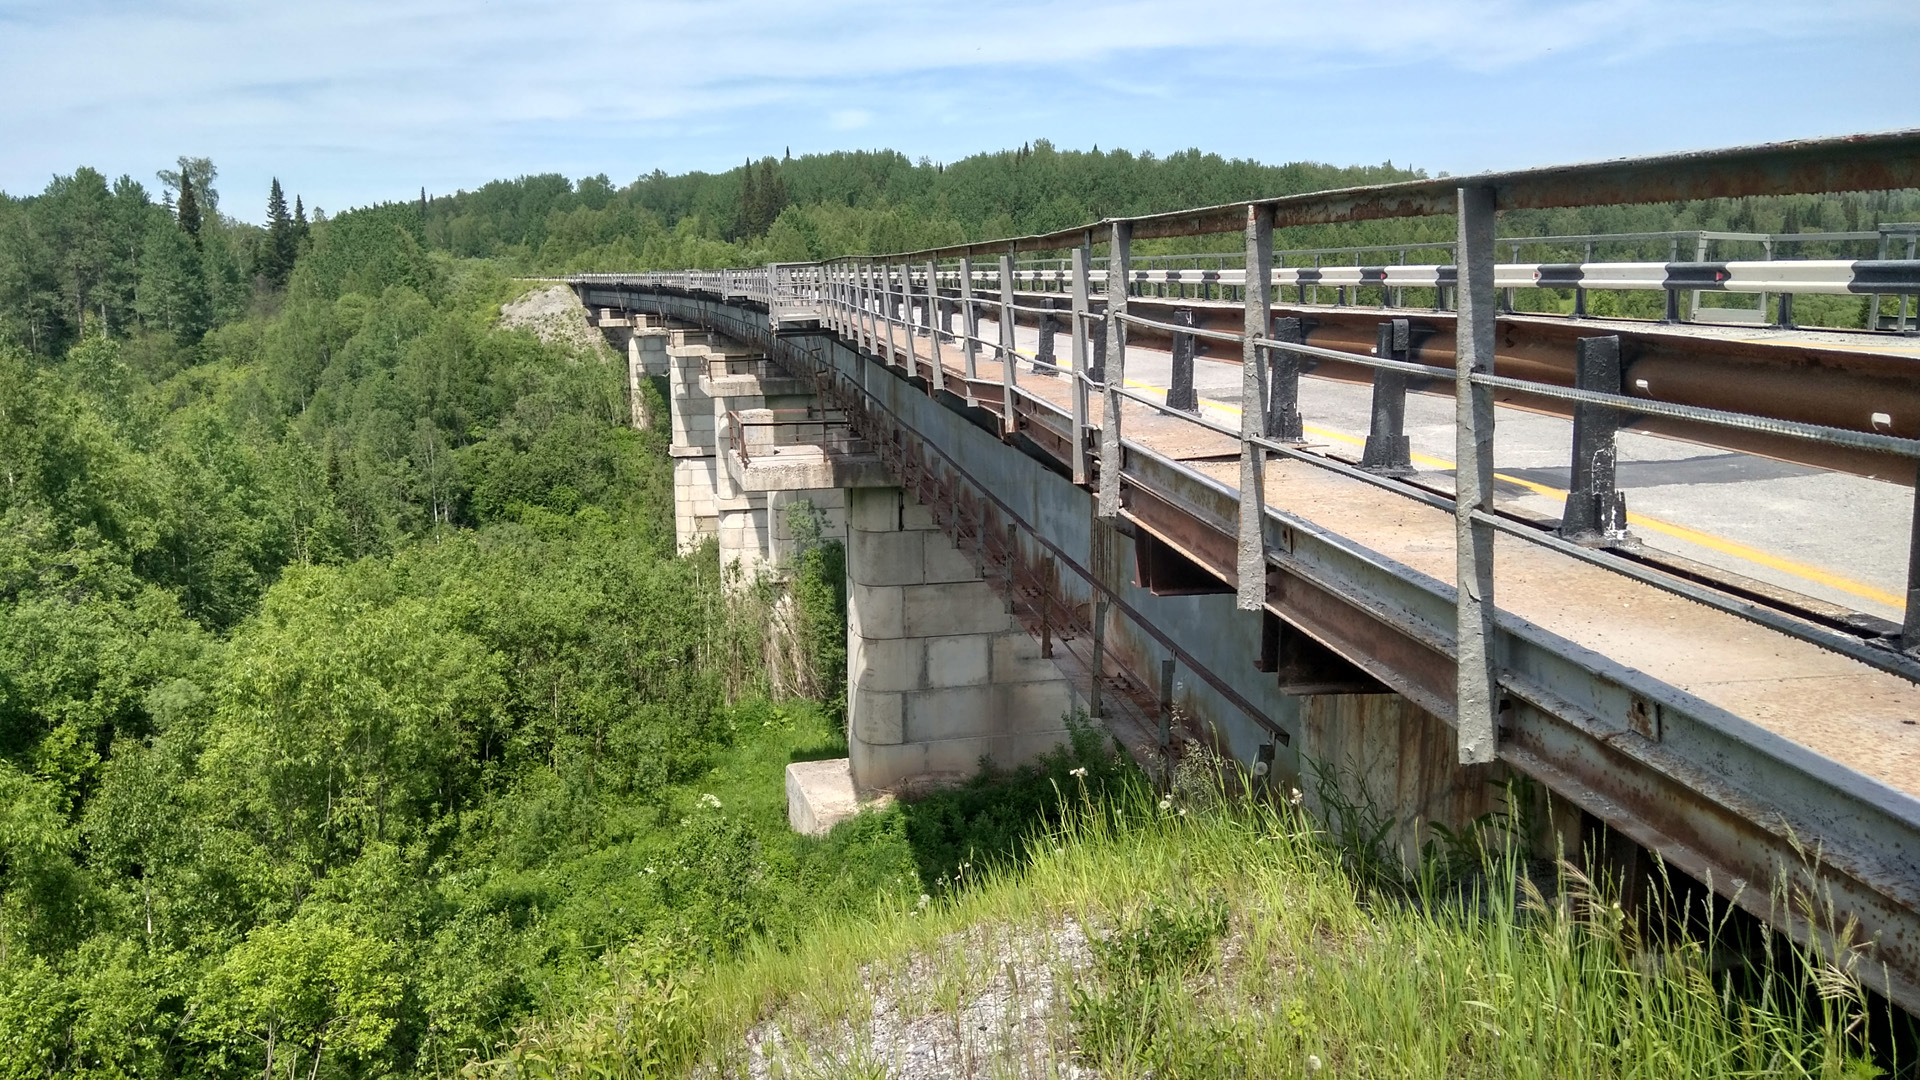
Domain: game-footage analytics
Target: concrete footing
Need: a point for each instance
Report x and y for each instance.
(820, 795)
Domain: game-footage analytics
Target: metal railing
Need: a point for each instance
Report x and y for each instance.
(768, 430)
(901, 310)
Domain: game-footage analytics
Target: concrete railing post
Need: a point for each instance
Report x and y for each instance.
(937, 377)
(1476, 685)
(969, 325)
(1118, 270)
(1081, 313)
(1252, 555)
(1910, 624)
(1008, 354)
(887, 304)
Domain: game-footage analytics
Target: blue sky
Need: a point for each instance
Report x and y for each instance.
(356, 101)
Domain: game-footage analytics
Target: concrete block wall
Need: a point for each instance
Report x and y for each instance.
(696, 514)
(692, 408)
(696, 477)
(939, 675)
(830, 504)
(648, 348)
(743, 540)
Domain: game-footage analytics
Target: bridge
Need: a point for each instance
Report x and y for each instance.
(1373, 524)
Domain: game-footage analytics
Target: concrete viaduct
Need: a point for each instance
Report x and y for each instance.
(1270, 511)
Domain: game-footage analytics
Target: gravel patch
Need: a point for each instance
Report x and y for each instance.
(554, 315)
(987, 1002)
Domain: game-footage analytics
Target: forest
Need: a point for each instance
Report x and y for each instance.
(356, 715)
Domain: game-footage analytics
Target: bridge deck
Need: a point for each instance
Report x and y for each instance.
(1847, 711)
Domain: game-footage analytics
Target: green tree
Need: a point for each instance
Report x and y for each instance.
(188, 209)
(172, 292)
(282, 242)
(301, 990)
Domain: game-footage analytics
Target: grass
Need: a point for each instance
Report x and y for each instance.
(1221, 938)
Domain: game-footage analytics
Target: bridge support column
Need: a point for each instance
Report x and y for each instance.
(646, 359)
(695, 479)
(939, 675)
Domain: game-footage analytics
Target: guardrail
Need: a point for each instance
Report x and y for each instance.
(796, 296)
(771, 429)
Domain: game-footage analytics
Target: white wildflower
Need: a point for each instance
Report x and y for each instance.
(710, 801)
(1259, 768)
(1080, 772)
(1313, 1062)
(1294, 797)
(1166, 802)
(924, 901)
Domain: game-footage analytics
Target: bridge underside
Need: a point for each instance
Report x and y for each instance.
(1742, 756)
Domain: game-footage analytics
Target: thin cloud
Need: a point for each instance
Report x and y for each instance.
(364, 99)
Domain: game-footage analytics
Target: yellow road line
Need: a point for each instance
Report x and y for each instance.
(1709, 541)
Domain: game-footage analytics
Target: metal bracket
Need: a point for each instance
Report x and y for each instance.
(1388, 451)
(1596, 514)
(1180, 393)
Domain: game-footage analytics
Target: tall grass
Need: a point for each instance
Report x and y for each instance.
(1226, 937)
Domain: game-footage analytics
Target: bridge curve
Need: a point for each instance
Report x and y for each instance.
(1406, 622)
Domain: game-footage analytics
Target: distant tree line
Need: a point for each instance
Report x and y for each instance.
(869, 202)
(85, 256)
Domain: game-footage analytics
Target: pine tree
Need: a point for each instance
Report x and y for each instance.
(276, 255)
(188, 209)
(773, 194)
(749, 204)
(302, 231)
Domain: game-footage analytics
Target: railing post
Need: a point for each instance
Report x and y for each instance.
(863, 314)
(945, 309)
(1007, 353)
(1081, 312)
(1116, 373)
(1387, 451)
(1699, 255)
(873, 306)
(1283, 377)
(1596, 513)
(1098, 664)
(1476, 685)
(937, 377)
(969, 324)
(1043, 355)
(1580, 294)
(1252, 555)
(887, 307)
(906, 318)
(1910, 624)
(1180, 393)
(1166, 704)
(1506, 294)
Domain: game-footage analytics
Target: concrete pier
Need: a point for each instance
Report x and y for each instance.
(939, 674)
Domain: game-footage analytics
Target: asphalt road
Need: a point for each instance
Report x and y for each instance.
(1833, 536)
